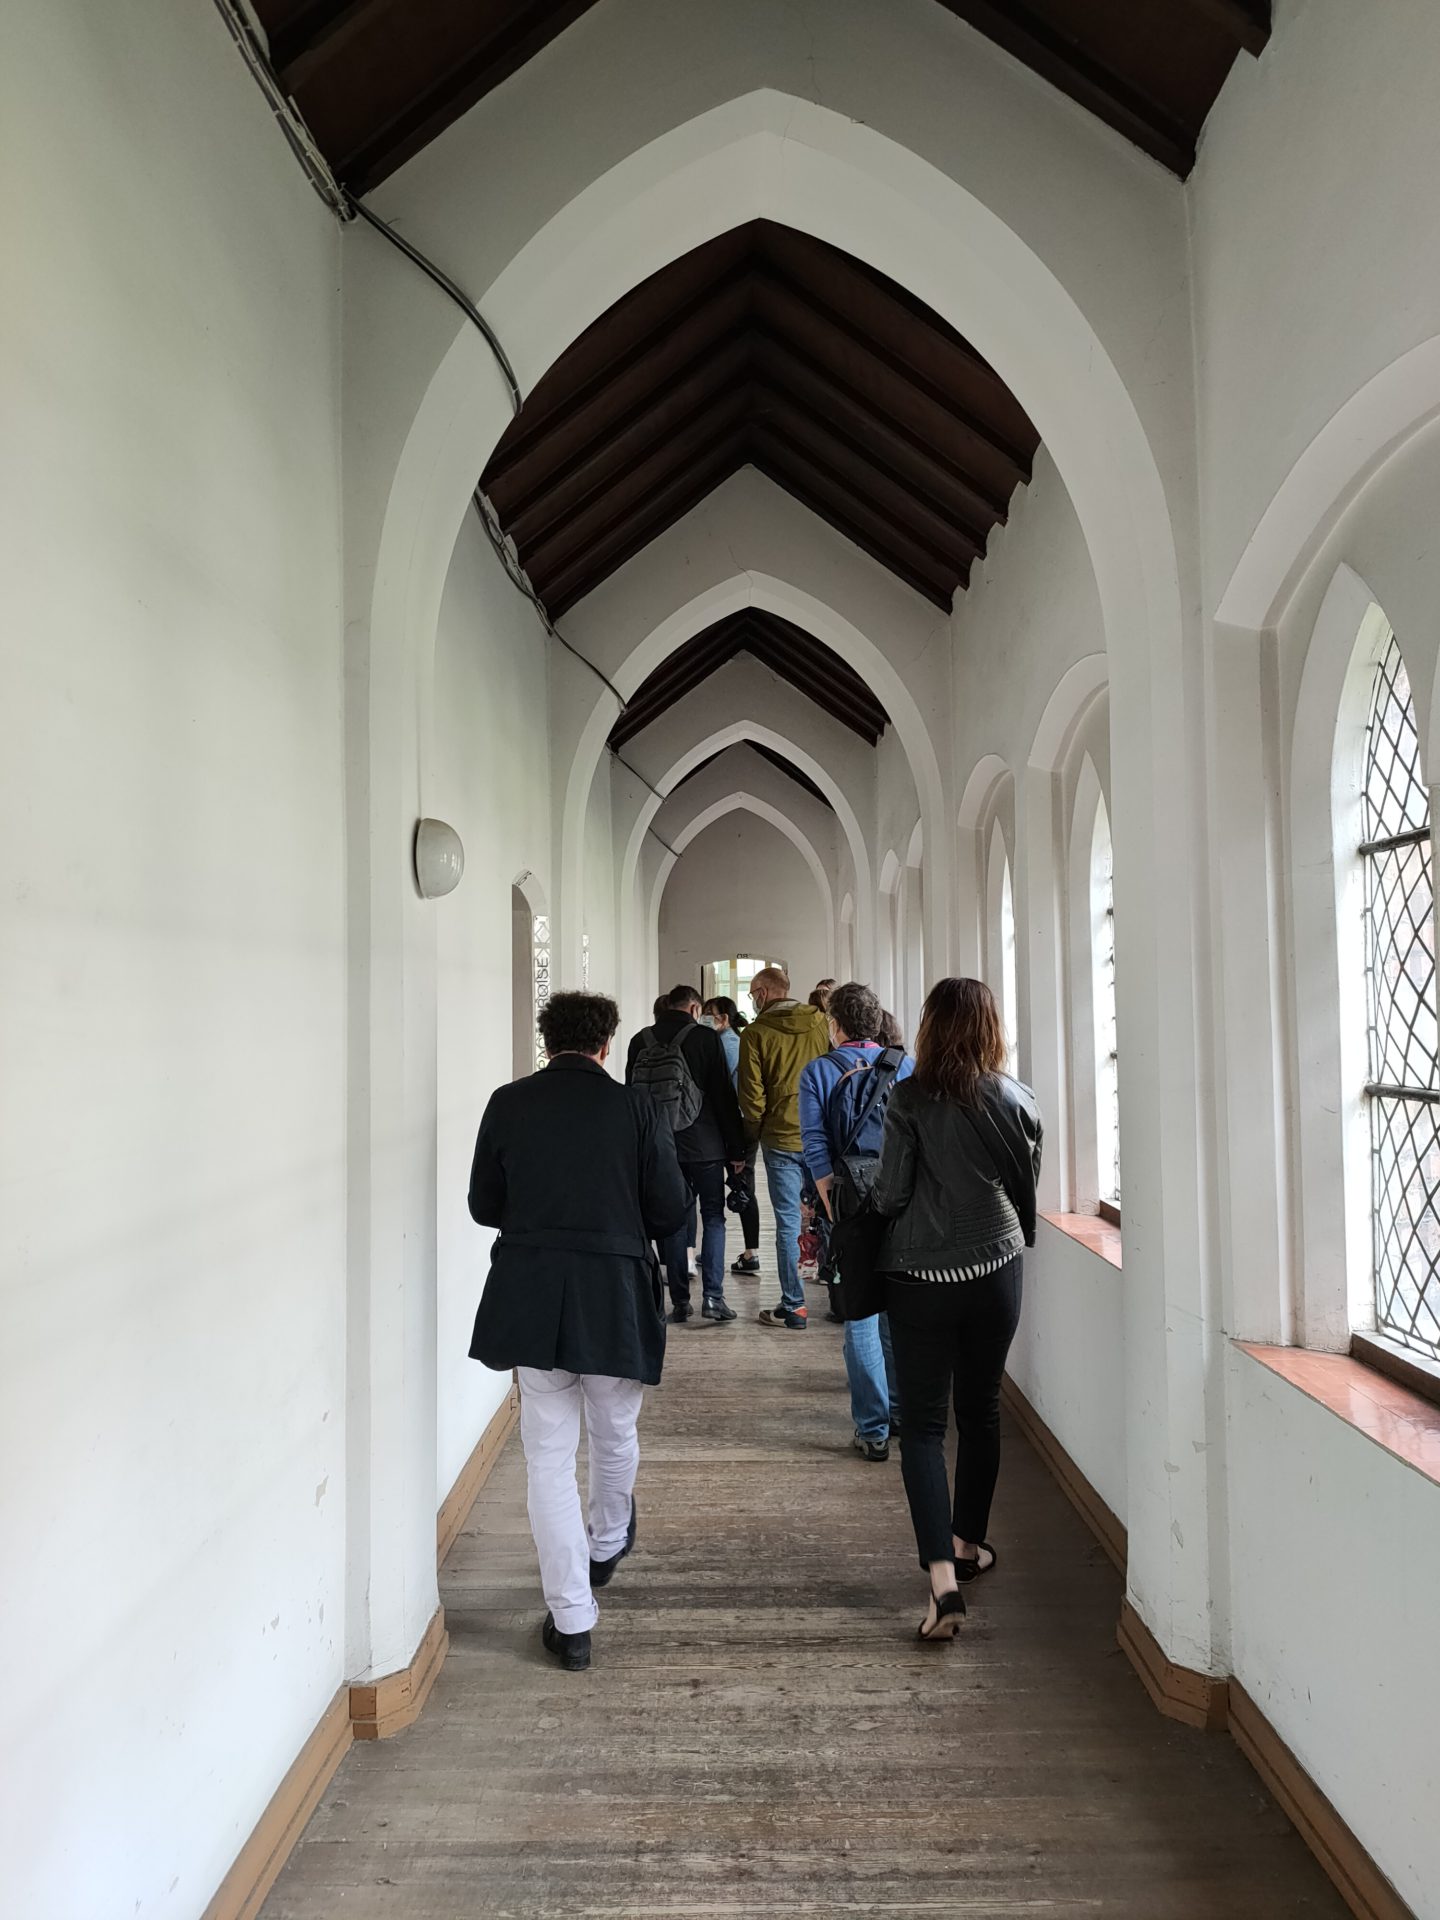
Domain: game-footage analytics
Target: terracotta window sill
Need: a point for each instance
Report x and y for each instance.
(1092, 1232)
(1392, 1416)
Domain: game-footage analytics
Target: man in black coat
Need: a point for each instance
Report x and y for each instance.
(715, 1135)
(580, 1176)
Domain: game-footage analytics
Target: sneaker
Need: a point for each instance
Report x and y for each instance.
(572, 1650)
(681, 1312)
(692, 1263)
(877, 1450)
(782, 1316)
(746, 1267)
(715, 1308)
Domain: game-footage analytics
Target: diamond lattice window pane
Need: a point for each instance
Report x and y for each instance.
(1407, 1223)
(1396, 798)
(1403, 1037)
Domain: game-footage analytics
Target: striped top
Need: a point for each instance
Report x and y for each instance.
(953, 1274)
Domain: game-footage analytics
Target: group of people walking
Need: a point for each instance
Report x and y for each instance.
(600, 1190)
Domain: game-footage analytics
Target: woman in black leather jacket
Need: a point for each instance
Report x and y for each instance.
(958, 1168)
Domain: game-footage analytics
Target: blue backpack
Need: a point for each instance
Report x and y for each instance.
(855, 1122)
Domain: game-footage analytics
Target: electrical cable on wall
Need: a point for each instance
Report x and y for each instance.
(347, 207)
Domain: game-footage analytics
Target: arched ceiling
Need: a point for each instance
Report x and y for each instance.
(776, 760)
(788, 650)
(767, 348)
(377, 80)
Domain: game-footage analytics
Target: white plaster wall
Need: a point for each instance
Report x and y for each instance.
(1313, 268)
(1031, 611)
(742, 888)
(1068, 1358)
(1335, 1558)
(172, 969)
(492, 783)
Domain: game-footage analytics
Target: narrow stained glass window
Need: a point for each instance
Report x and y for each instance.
(542, 979)
(1403, 1088)
(1107, 1060)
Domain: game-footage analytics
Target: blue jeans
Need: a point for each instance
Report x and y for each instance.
(706, 1181)
(870, 1369)
(784, 1175)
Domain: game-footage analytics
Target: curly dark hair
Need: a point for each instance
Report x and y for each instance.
(960, 1041)
(578, 1023)
(856, 1011)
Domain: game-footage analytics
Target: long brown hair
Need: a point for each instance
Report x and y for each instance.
(960, 1040)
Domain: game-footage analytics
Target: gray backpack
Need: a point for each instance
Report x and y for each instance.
(662, 1071)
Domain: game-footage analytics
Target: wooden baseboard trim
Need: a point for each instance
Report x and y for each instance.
(1358, 1881)
(373, 1711)
(1195, 1699)
(242, 1892)
(455, 1509)
(1106, 1528)
(379, 1708)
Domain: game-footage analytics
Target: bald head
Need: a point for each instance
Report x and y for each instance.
(770, 984)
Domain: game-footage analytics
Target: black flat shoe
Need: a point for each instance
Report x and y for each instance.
(716, 1308)
(572, 1650)
(949, 1612)
(603, 1571)
(967, 1570)
(681, 1312)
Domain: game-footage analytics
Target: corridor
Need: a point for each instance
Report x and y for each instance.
(512, 500)
(760, 1734)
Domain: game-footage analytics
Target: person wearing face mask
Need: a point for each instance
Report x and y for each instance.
(843, 1100)
(775, 1049)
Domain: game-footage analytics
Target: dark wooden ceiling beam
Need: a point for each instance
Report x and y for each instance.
(646, 521)
(930, 467)
(908, 332)
(1247, 20)
(416, 122)
(866, 475)
(945, 555)
(689, 667)
(567, 417)
(890, 546)
(842, 694)
(781, 648)
(597, 466)
(725, 414)
(1062, 60)
(315, 34)
(861, 363)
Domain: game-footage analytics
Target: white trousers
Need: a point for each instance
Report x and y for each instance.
(550, 1404)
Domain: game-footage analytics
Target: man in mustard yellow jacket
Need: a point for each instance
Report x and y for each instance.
(775, 1049)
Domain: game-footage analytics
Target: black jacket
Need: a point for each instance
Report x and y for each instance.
(958, 1183)
(580, 1176)
(719, 1133)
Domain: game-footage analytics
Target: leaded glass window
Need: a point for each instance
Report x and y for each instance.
(542, 979)
(1403, 1089)
(1107, 1059)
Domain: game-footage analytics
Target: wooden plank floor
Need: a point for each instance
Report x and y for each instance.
(761, 1735)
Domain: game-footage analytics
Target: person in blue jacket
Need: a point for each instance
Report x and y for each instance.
(832, 1090)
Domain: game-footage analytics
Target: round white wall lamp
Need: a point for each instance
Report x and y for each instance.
(439, 858)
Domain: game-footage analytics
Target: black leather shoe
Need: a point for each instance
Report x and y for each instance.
(716, 1308)
(602, 1571)
(681, 1312)
(572, 1650)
